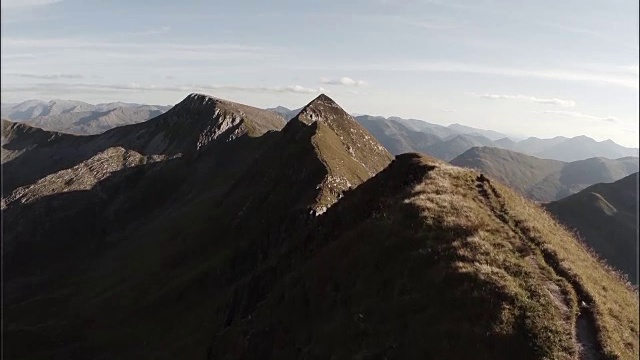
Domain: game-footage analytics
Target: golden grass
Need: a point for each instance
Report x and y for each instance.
(615, 302)
(512, 258)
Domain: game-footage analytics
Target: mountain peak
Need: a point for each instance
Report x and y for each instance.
(197, 101)
(323, 99)
(322, 108)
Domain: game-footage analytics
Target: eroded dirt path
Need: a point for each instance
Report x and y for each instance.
(585, 330)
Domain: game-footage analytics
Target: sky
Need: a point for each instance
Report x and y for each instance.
(540, 68)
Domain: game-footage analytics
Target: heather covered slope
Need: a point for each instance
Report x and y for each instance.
(605, 215)
(543, 179)
(430, 260)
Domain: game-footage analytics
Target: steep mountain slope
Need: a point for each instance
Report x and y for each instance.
(605, 215)
(542, 179)
(424, 260)
(304, 242)
(191, 125)
(126, 203)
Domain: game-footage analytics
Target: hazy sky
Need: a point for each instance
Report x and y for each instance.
(540, 67)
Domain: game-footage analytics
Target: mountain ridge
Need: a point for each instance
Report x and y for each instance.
(253, 246)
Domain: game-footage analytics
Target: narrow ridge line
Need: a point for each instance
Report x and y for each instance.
(585, 329)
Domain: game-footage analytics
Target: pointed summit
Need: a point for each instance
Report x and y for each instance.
(200, 119)
(322, 108)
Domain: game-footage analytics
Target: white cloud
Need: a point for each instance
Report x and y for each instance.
(590, 32)
(430, 24)
(83, 43)
(158, 31)
(343, 81)
(579, 115)
(627, 80)
(49, 76)
(126, 51)
(69, 87)
(15, 4)
(546, 101)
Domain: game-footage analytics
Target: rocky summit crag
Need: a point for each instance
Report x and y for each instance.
(219, 231)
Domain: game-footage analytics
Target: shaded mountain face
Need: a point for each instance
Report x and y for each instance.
(542, 179)
(185, 130)
(217, 231)
(605, 216)
(78, 117)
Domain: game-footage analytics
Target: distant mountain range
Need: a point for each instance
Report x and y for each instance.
(605, 216)
(78, 117)
(447, 142)
(396, 134)
(542, 179)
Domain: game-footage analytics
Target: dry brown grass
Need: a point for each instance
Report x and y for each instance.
(615, 301)
(515, 262)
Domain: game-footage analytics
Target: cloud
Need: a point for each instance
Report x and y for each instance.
(609, 78)
(343, 81)
(16, 4)
(430, 24)
(590, 32)
(579, 115)
(134, 87)
(49, 76)
(158, 31)
(545, 101)
(83, 43)
(134, 51)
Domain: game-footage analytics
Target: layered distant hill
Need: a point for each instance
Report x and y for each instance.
(447, 142)
(606, 217)
(542, 179)
(220, 231)
(78, 117)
